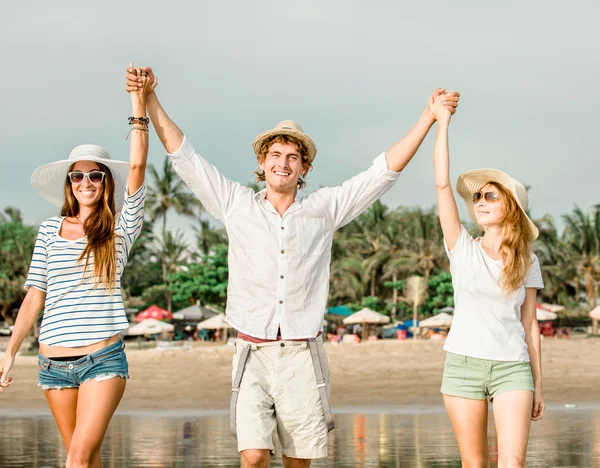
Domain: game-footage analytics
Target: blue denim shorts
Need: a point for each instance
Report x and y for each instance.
(106, 363)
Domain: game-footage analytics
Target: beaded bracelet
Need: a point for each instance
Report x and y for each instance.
(141, 127)
(142, 120)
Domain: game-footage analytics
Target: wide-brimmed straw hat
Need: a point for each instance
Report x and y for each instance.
(49, 179)
(289, 128)
(473, 181)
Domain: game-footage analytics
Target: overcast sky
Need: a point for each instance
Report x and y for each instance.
(355, 74)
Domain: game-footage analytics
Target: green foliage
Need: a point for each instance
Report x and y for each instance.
(205, 281)
(154, 295)
(16, 247)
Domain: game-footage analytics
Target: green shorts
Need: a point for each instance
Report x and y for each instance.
(478, 379)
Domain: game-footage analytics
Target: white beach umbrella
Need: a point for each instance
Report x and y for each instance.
(149, 327)
(367, 316)
(437, 321)
(543, 314)
(216, 322)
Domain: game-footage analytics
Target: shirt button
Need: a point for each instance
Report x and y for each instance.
(283, 251)
(282, 228)
(281, 276)
(282, 345)
(281, 302)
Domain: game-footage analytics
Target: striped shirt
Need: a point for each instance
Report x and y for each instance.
(76, 313)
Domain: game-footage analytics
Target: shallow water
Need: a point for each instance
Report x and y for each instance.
(375, 437)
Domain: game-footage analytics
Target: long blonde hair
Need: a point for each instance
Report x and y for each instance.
(516, 248)
(99, 227)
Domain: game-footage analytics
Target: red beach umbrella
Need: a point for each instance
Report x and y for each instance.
(154, 312)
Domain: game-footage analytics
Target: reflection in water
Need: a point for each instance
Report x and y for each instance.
(565, 438)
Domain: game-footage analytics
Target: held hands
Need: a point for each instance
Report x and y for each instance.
(539, 407)
(442, 105)
(140, 82)
(5, 367)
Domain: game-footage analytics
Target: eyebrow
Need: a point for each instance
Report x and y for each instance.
(279, 152)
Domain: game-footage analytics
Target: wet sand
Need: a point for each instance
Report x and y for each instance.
(388, 373)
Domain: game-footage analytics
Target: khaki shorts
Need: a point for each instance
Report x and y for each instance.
(479, 379)
(279, 393)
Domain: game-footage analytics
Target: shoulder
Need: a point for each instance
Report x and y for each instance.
(52, 224)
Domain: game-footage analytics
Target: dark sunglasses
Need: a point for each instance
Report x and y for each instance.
(490, 197)
(95, 177)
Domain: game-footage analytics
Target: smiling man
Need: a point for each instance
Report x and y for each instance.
(279, 254)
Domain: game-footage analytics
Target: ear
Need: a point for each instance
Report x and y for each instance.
(261, 162)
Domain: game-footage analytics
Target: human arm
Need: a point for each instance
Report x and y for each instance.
(448, 211)
(28, 314)
(399, 155)
(532, 338)
(138, 149)
(168, 132)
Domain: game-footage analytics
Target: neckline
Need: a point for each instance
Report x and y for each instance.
(478, 240)
(61, 237)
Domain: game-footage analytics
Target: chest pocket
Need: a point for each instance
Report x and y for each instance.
(314, 231)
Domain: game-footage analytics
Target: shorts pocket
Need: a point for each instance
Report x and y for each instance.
(455, 370)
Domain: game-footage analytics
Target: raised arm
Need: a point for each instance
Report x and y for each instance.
(447, 208)
(170, 135)
(138, 149)
(399, 155)
(214, 190)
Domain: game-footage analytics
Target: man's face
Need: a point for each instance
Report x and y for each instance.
(283, 167)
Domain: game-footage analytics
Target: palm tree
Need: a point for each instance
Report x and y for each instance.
(556, 261)
(582, 235)
(169, 192)
(207, 236)
(171, 249)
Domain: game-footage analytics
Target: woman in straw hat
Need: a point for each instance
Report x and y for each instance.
(493, 348)
(74, 276)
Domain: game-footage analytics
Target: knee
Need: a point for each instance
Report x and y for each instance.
(255, 458)
(511, 462)
(80, 457)
(475, 462)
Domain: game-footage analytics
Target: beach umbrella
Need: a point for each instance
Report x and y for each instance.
(553, 307)
(543, 314)
(195, 313)
(216, 322)
(595, 313)
(149, 327)
(341, 311)
(154, 312)
(366, 317)
(442, 320)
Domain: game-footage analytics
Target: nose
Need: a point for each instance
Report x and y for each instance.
(86, 182)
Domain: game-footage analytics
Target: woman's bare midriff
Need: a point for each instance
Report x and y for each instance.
(62, 351)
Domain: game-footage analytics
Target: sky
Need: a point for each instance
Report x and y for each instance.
(356, 75)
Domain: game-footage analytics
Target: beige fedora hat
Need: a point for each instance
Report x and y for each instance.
(472, 181)
(49, 180)
(289, 128)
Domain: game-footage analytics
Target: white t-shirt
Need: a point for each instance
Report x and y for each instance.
(487, 320)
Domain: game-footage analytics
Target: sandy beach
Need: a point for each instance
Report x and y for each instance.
(370, 374)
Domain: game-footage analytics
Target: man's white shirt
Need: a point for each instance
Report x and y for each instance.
(279, 265)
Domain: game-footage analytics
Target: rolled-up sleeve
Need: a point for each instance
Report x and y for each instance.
(214, 190)
(355, 195)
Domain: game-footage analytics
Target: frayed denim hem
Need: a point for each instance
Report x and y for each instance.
(108, 376)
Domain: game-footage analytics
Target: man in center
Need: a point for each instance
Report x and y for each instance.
(279, 255)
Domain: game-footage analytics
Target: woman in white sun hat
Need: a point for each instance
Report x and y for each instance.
(74, 276)
(493, 348)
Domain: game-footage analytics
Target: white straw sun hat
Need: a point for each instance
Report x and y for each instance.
(473, 181)
(49, 180)
(289, 128)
